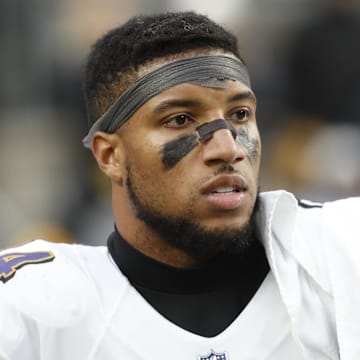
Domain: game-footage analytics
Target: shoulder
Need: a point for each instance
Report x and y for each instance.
(40, 259)
(52, 282)
(311, 221)
(283, 205)
(313, 233)
(346, 210)
(342, 232)
(339, 217)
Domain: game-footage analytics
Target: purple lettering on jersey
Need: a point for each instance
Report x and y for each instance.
(11, 262)
(214, 356)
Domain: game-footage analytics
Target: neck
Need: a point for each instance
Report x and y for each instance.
(157, 248)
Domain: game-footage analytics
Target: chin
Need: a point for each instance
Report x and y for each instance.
(231, 219)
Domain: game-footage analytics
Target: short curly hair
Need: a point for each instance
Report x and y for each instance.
(116, 57)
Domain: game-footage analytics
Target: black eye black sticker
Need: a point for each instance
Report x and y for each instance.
(206, 131)
(174, 150)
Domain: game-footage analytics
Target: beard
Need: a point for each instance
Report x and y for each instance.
(183, 233)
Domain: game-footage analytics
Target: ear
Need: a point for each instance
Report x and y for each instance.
(109, 153)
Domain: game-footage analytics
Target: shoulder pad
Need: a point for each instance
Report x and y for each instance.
(41, 280)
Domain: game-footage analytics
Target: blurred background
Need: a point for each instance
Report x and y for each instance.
(303, 56)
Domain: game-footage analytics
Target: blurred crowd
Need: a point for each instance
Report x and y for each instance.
(303, 56)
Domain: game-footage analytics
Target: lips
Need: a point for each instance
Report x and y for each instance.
(225, 191)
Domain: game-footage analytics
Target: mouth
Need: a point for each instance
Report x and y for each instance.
(225, 191)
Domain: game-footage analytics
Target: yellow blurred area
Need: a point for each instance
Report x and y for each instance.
(45, 231)
(287, 152)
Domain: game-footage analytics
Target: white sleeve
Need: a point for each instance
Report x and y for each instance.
(342, 247)
(17, 335)
(46, 300)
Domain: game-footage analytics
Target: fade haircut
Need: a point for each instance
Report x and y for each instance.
(116, 58)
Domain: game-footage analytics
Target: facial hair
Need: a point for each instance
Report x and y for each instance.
(183, 233)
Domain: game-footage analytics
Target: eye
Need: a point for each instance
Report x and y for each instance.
(241, 115)
(179, 121)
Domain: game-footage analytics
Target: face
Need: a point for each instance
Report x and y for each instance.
(194, 193)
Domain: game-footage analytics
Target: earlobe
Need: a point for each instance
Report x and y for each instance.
(108, 152)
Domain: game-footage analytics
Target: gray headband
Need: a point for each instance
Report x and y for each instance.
(209, 71)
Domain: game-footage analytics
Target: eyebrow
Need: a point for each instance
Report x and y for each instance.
(247, 95)
(171, 103)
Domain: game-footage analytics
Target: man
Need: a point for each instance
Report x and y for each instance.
(200, 266)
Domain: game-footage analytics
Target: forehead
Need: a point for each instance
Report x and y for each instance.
(211, 71)
(187, 89)
(199, 96)
(200, 76)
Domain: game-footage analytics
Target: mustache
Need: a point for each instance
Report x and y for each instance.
(226, 169)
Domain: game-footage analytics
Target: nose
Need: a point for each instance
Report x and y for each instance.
(222, 148)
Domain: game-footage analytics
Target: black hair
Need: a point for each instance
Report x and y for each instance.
(116, 57)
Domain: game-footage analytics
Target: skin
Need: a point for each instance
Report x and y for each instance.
(136, 152)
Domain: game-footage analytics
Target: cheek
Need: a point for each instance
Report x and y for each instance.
(142, 158)
(146, 165)
(162, 191)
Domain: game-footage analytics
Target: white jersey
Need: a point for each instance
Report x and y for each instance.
(60, 302)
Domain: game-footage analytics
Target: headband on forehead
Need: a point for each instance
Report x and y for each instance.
(209, 71)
